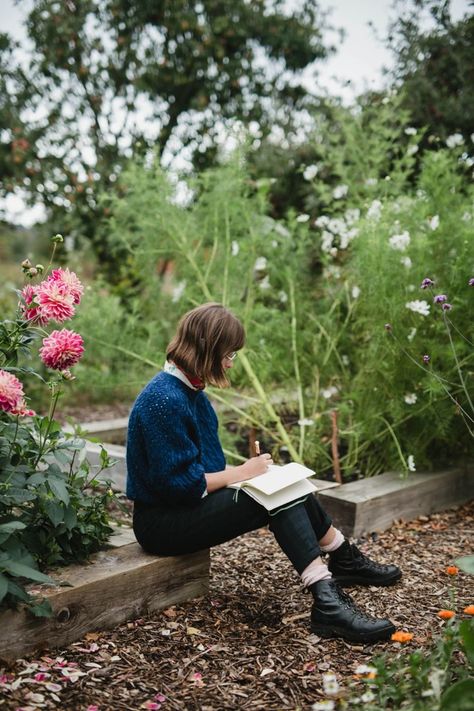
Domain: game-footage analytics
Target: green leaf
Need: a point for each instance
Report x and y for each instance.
(55, 512)
(466, 563)
(25, 571)
(59, 489)
(466, 630)
(3, 586)
(41, 609)
(459, 697)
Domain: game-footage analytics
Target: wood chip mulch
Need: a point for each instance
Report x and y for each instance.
(246, 645)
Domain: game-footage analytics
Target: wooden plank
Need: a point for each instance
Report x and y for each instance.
(119, 584)
(373, 504)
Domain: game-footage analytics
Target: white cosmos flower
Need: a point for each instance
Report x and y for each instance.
(326, 242)
(375, 210)
(367, 697)
(419, 306)
(411, 463)
(406, 261)
(326, 705)
(365, 669)
(355, 292)
(330, 684)
(352, 215)
(340, 191)
(400, 242)
(283, 296)
(327, 393)
(411, 150)
(410, 131)
(265, 283)
(178, 291)
(434, 222)
(235, 248)
(321, 221)
(302, 218)
(260, 264)
(410, 398)
(333, 251)
(456, 139)
(310, 172)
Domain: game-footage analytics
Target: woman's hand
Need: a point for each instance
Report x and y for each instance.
(247, 470)
(256, 466)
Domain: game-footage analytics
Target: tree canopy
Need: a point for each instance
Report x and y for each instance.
(104, 79)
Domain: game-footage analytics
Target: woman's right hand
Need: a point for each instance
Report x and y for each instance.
(256, 466)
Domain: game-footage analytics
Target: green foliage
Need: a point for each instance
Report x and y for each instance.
(53, 509)
(314, 296)
(424, 680)
(433, 68)
(197, 68)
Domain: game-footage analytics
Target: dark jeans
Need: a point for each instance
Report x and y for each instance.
(218, 517)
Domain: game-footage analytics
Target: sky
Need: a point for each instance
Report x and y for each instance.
(357, 65)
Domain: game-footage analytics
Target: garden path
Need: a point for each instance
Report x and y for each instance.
(246, 645)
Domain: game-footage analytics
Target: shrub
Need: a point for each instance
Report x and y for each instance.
(46, 515)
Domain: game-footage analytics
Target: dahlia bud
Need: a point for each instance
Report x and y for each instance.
(32, 272)
(57, 239)
(26, 264)
(67, 375)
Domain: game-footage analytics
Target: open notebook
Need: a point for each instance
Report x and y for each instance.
(280, 485)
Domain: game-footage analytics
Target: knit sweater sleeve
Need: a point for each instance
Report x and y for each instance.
(172, 470)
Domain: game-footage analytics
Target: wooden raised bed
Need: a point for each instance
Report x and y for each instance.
(374, 504)
(118, 584)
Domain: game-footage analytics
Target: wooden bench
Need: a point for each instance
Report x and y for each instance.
(119, 583)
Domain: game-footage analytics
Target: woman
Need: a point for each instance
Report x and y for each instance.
(177, 478)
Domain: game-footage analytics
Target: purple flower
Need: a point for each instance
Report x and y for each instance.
(471, 282)
(446, 307)
(426, 283)
(440, 298)
(388, 326)
(426, 359)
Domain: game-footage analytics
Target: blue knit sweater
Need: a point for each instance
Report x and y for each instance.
(171, 442)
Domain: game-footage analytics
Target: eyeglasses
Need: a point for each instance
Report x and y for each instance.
(231, 356)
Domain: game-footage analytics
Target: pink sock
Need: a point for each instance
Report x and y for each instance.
(335, 543)
(315, 571)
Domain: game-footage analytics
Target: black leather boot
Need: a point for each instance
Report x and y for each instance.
(351, 567)
(335, 614)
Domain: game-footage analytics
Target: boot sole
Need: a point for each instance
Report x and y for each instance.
(348, 581)
(329, 632)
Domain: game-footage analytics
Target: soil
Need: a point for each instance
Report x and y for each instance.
(246, 645)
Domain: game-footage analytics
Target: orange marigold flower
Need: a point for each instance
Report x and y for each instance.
(469, 610)
(446, 614)
(452, 570)
(401, 637)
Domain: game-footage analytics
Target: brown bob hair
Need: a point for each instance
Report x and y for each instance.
(203, 338)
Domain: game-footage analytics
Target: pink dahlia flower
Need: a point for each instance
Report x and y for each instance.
(30, 308)
(12, 396)
(55, 301)
(70, 281)
(62, 349)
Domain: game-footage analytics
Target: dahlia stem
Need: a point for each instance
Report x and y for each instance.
(56, 391)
